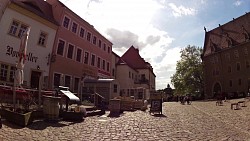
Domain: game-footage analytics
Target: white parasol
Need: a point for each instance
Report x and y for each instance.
(18, 80)
(22, 57)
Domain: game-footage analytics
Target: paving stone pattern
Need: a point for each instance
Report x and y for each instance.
(200, 121)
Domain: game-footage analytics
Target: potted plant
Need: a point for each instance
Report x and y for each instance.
(20, 116)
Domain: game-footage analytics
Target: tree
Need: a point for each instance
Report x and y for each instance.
(188, 78)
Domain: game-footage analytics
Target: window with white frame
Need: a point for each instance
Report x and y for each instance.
(247, 64)
(60, 47)
(236, 53)
(98, 62)
(86, 58)
(67, 80)
(70, 51)
(103, 64)
(238, 66)
(245, 51)
(108, 66)
(104, 46)
(78, 55)
(94, 40)
(115, 88)
(57, 79)
(100, 43)
(42, 39)
(17, 28)
(3, 72)
(66, 22)
(89, 36)
(74, 27)
(76, 84)
(109, 49)
(93, 60)
(82, 32)
(12, 72)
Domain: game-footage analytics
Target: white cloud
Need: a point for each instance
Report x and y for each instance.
(237, 2)
(181, 10)
(113, 18)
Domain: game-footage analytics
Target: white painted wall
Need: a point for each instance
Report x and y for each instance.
(33, 48)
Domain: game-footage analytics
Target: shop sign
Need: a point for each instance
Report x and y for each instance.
(13, 53)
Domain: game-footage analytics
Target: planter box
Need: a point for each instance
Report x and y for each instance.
(17, 118)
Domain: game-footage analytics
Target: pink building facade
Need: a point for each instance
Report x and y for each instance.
(79, 51)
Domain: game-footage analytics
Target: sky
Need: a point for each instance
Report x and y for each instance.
(158, 28)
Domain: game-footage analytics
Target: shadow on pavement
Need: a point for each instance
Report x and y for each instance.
(159, 115)
(43, 124)
(13, 126)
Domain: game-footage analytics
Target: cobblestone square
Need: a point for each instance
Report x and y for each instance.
(202, 120)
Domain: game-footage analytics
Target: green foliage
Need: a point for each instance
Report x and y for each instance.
(188, 78)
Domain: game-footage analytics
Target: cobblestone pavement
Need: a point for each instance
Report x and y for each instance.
(201, 121)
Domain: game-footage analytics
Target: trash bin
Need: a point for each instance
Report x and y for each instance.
(115, 106)
(51, 107)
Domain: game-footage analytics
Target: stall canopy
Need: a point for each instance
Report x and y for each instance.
(70, 95)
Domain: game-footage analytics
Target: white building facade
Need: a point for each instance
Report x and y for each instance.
(16, 18)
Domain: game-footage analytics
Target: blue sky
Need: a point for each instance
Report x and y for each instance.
(159, 28)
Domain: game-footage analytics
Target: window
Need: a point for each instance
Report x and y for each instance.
(239, 82)
(86, 58)
(143, 77)
(42, 39)
(66, 22)
(107, 66)
(113, 72)
(13, 28)
(104, 46)
(60, 47)
(89, 36)
(98, 62)
(12, 72)
(17, 29)
(103, 64)
(3, 73)
(74, 27)
(227, 56)
(247, 64)
(93, 60)
(57, 78)
(82, 32)
(76, 84)
(109, 49)
(115, 88)
(129, 74)
(70, 51)
(67, 80)
(245, 51)
(238, 66)
(230, 83)
(100, 43)
(229, 69)
(236, 53)
(94, 40)
(78, 55)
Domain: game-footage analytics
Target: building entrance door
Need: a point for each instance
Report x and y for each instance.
(34, 82)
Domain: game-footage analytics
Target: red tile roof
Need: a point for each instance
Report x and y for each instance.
(133, 58)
